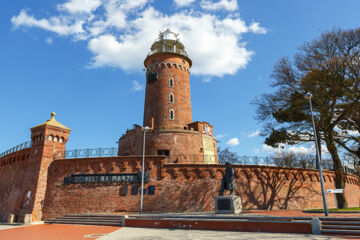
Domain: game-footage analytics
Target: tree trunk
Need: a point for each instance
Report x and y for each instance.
(339, 176)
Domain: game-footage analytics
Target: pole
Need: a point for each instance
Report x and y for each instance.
(318, 158)
(143, 172)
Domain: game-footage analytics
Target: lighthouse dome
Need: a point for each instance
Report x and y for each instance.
(169, 42)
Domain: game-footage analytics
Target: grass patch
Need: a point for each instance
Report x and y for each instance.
(337, 209)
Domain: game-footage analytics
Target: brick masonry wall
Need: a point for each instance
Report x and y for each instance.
(185, 187)
(157, 93)
(23, 174)
(13, 168)
(94, 197)
(185, 146)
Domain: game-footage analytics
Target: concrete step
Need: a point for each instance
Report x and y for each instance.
(340, 232)
(94, 216)
(101, 220)
(115, 224)
(341, 222)
(339, 219)
(84, 220)
(340, 227)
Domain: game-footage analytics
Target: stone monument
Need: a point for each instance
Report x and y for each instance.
(228, 204)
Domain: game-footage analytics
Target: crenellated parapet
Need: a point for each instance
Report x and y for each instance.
(182, 171)
(17, 157)
(165, 64)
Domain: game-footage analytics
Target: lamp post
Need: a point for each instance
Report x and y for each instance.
(318, 155)
(143, 172)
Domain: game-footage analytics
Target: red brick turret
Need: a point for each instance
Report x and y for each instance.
(47, 138)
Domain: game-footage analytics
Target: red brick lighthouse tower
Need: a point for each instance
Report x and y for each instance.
(167, 98)
(167, 109)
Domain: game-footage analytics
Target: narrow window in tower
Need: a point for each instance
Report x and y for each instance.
(171, 114)
(171, 98)
(171, 82)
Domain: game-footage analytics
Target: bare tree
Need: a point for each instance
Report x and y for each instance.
(225, 155)
(288, 158)
(329, 68)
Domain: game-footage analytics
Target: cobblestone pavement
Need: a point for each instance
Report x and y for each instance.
(128, 233)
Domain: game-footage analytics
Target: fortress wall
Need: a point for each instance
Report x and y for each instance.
(259, 187)
(95, 197)
(13, 189)
(184, 187)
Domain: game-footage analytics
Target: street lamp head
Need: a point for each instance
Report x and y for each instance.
(308, 95)
(146, 128)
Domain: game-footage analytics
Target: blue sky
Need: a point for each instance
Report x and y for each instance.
(83, 60)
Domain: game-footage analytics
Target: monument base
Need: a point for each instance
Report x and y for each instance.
(228, 205)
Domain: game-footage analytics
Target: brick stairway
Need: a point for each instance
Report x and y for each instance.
(340, 226)
(99, 220)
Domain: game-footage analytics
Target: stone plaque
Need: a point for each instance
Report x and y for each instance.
(208, 146)
(106, 178)
(135, 190)
(224, 204)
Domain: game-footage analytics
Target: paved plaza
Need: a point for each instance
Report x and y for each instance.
(178, 234)
(53, 232)
(82, 232)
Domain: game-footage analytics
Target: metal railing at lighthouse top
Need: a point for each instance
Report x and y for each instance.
(180, 51)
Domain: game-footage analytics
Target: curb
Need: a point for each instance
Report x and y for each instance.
(310, 211)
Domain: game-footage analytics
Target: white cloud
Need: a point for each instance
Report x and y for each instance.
(79, 6)
(254, 134)
(137, 86)
(49, 40)
(120, 33)
(213, 48)
(346, 133)
(60, 25)
(353, 133)
(300, 149)
(255, 28)
(324, 150)
(269, 149)
(183, 3)
(233, 142)
(283, 147)
(229, 5)
(295, 149)
(109, 52)
(220, 136)
(207, 79)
